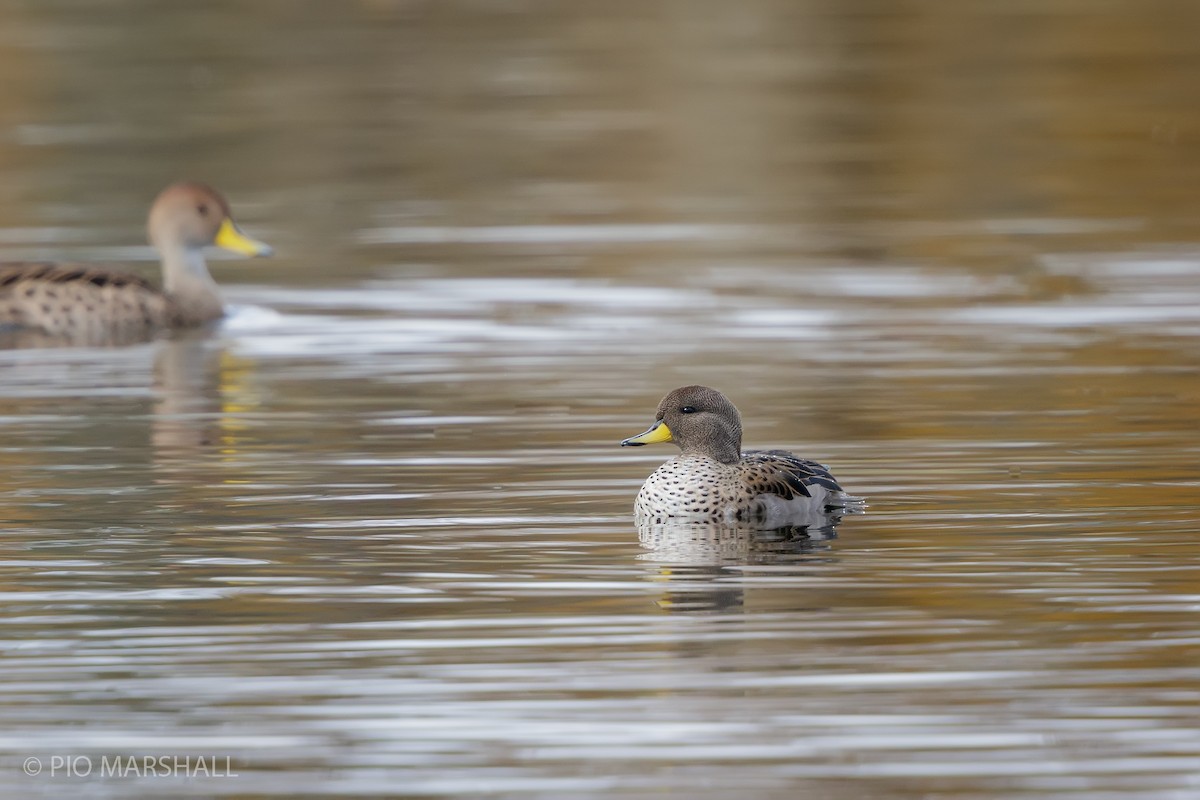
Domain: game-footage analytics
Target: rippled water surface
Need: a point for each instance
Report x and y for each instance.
(373, 536)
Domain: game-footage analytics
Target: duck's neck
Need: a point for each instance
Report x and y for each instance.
(187, 282)
(725, 447)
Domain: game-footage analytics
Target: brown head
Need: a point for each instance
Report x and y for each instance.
(190, 216)
(698, 419)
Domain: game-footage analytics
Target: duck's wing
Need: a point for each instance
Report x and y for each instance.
(78, 300)
(786, 474)
(70, 274)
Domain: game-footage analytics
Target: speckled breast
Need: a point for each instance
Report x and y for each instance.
(687, 486)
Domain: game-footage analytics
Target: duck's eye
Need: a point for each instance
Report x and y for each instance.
(203, 209)
(688, 410)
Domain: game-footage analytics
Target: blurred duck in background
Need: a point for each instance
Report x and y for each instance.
(97, 304)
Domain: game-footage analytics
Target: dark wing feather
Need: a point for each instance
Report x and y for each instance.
(70, 273)
(787, 475)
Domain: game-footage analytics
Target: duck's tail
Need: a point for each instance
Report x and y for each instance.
(842, 503)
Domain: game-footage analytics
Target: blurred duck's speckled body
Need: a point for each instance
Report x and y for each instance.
(99, 304)
(713, 480)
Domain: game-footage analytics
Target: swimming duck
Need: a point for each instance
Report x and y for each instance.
(85, 302)
(713, 480)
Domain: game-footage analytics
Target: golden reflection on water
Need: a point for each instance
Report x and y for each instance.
(764, 111)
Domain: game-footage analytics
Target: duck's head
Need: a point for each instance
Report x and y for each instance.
(191, 216)
(700, 420)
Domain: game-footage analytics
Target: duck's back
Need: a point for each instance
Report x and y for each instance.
(786, 474)
(82, 302)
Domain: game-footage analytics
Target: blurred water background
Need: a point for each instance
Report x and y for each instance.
(373, 537)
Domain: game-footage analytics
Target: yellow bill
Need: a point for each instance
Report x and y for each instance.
(659, 432)
(230, 238)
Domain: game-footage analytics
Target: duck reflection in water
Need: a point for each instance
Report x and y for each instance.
(697, 566)
(728, 545)
(202, 393)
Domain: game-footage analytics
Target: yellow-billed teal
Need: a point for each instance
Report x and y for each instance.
(97, 303)
(713, 480)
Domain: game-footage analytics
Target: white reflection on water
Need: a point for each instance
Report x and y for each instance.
(759, 234)
(573, 235)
